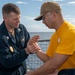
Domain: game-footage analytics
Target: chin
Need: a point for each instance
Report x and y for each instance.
(17, 26)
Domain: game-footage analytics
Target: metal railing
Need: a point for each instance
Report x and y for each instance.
(33, 61)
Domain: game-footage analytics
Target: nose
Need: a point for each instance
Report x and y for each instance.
(18, 20)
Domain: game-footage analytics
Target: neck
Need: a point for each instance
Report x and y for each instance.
(10, 29)
(12, 32)
(59, 23)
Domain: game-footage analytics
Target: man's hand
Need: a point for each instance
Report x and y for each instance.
(34, 39)
(32, 48)
(32, 45)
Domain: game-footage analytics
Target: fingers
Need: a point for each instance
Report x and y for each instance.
(32, 45)
(34, 39)
(33, 48)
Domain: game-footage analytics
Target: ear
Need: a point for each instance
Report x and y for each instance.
(4, 17)
(54, 14)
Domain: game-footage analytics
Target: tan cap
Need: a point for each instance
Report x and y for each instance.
(47, 7)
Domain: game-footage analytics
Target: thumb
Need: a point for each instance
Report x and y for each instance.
(34, 39)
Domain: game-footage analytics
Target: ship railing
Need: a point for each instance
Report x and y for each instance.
(33, 62)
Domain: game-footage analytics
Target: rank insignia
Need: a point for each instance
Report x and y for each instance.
(11, 49)
(22, 39)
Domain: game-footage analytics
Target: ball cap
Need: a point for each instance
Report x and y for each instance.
(47, 7)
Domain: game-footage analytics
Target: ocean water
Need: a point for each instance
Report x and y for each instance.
(43, 35)
(33, 62)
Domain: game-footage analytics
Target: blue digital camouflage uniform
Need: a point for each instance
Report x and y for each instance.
(12, 50)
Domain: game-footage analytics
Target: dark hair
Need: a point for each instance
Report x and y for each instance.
(10, 7)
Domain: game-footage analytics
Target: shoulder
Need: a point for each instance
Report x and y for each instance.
(53, 35)
(21, 26)
(68, 30)
(23, 29)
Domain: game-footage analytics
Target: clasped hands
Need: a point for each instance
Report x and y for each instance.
(32, 45)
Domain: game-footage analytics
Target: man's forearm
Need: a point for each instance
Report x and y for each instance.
(42, 55)
(45, 69)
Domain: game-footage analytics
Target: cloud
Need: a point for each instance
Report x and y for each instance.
(47, 0)
(72, 2)
(38, 0)
(58, 0)
(34, 26)
(70, 19)
(21, 2)
(28, 18)
(1, 21)
(38, 28)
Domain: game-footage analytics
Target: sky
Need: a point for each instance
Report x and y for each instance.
(30, 9)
